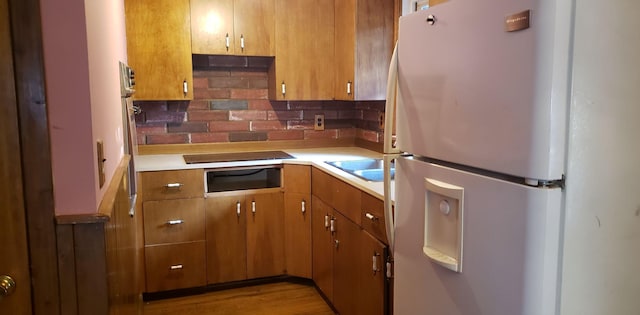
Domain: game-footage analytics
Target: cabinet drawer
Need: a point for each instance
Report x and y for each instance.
(173, 184)
(321, 185)
(175, 266)
(297, 178)
(173, 221)
(346, 199)
(373, 217)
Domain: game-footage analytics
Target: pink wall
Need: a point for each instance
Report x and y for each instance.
(83, 96)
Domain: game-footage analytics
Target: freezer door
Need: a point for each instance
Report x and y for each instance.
(474, 93)
(509, 244)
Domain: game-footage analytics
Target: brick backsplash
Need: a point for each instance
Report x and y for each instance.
(233, 105)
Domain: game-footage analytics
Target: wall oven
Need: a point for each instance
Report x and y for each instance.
(127, 88)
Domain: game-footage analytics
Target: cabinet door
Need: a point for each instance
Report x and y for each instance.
(212, 27)
(322, 247)
(346, 253)
(265, 234)
(345, 41)
(304, 50)
(159, 48)
(364, 43)
(297, 234)
(226, 239)
(372, 293)
(254, 27)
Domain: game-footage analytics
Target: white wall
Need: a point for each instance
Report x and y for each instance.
(81, 48)
(602, 234)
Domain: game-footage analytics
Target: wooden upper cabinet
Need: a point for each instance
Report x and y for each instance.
(303, 67)
(363, 46)
(233, 27)
(159, 48)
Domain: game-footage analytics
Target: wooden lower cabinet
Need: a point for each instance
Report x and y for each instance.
(346, 265)
(297, 234)
(372, 283)
(245, 238)
(226, 239)
(322, 247)
(175, 266)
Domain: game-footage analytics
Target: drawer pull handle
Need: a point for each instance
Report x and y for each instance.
(333, 225)
(371, 217)
(253, 207)
(175, 267)
(304, 206)
(326, 221)
(336, 243)
(238, 208)
(175, 222)
(174, 185)
(375, 263)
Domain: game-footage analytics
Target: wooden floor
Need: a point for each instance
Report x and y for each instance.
(281, 298)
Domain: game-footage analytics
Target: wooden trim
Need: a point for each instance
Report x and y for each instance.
(110, 195)
(373, 146)
(91, 268)
(67, 270)
(36, 154)
(223, 147)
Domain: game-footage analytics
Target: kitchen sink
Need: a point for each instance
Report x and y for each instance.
(367, 169)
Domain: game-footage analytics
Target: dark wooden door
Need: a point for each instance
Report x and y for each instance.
(14, 260)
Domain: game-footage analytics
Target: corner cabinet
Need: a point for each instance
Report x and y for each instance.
(349, 262)
(363, 48)
(159, 48)
(297, 218)
(233, 27)
(304, 62)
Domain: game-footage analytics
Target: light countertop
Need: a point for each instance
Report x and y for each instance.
(315, 157)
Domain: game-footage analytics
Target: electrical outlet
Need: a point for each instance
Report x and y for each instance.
(319, 122)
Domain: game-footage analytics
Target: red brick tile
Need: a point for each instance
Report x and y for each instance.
(328, 114)
(347, 133)
(217, 126)
(151, 129)
(268, 125)
(286, 135)
(196, 105)
(229, 82)
(371, 105)
(294, 105)
(250, 94)
(208, 115)
(188, 127)
(209, 137)
(370, 115)
(209, 94)
(151, 105)
(249, 73)
(211, 73)
(284, 115)
(247, 115)
(350, 114)
(299, 124)
(368, 135)
(324, 134)
(141, 139)
(257, 83)
(200, 82)
(167, 139)
(263, 105)
(164, 117)
(247, 136)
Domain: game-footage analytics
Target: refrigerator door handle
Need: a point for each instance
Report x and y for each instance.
(391, 105)
(388, 207)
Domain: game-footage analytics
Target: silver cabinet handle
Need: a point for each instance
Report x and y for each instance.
(303, 206)
(374, 260)
(371, 217)
(175, 267)
(238, 208)
(284, 88)
(175, 222)
(326, 221)
(185, 87)
(174, 185)
(333, 225)
(349, 88)
(388, 270)
(253, 207)
(336, 243)
(242, 42)
(227, 43)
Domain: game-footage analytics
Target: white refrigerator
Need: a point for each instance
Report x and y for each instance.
(483, 101)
